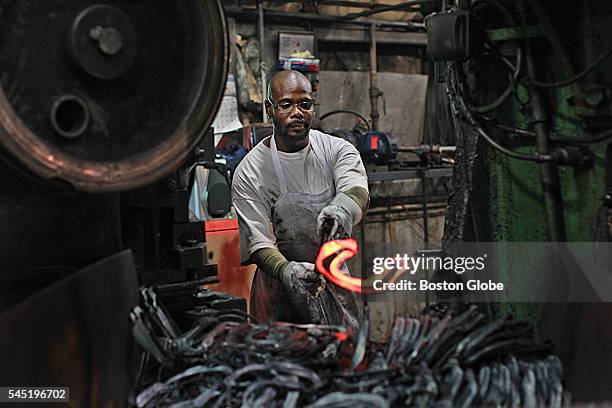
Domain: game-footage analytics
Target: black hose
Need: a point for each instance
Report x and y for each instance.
(516, 67)
(575, 78)
(359, 115)
(598, 138)
(461, 106)
(557, 46)
(501, 126)
(519, 156)
(537, 158)
(497, 102)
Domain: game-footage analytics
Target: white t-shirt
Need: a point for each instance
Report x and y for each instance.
(255, 187)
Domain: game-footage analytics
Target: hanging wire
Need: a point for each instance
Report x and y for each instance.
(461, 108)
(538, 158)
(507, 128)
(575, 78)
(598, 138)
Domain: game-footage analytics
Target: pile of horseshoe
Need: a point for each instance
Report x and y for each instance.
(438, 359)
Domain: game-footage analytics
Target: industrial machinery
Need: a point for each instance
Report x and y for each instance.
(104, 108)
(527, 83)
(105, 112)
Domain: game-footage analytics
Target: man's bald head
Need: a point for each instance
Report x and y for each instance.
(293, 79)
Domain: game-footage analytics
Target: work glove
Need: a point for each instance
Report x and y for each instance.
(301, 277)
(333, 222)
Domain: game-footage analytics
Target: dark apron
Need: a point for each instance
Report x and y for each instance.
(294, 218)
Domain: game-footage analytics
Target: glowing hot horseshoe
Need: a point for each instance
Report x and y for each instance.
(345, 249)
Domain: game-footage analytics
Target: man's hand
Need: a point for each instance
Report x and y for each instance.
(301, 277)
(337, 218)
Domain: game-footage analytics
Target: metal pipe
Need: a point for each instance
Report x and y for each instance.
(377, 219)
(551, 188)
(415, 209)
(426, 148)
(260, 25)
(374, 91)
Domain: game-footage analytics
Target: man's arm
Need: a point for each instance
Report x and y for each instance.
(352, 200)
(356, 200)
(270, 261)
(351, 180)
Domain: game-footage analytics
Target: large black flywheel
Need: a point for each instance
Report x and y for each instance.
(108, 95)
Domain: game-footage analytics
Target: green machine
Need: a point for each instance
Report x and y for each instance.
(527, 86)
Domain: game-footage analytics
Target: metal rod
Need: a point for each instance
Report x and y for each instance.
(260, 24)
(414, 209)
(374, 92)
(432, 172)
(551, 188)
(426, 148)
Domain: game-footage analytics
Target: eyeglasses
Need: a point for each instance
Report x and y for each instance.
(305, 105)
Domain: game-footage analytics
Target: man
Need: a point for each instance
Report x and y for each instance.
(285, 191)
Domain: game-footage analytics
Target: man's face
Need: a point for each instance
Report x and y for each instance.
(294, 111)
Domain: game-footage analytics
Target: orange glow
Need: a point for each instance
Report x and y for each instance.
(345, 249)
(342, 336)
